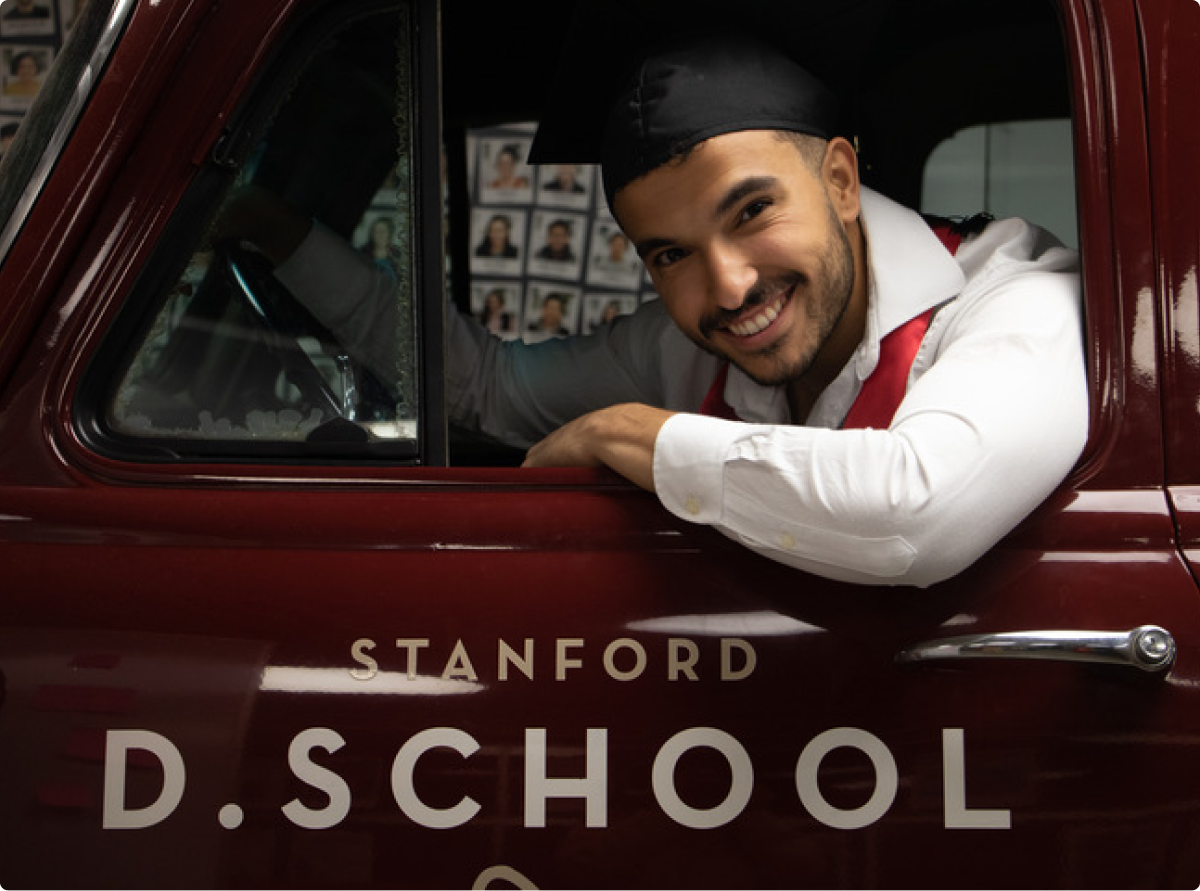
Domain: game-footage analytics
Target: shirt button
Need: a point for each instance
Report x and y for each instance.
(692, 506)
(788, 541)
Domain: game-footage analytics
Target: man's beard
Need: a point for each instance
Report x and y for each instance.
(828, 296)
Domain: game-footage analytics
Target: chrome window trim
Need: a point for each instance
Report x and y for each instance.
(84, 87)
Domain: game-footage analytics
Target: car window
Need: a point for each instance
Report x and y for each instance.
(1009, 168)
(223, 358)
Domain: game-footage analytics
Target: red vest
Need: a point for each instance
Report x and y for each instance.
(882, 392)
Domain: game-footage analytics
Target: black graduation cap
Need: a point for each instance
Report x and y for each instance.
(683, 95)
(630, 78)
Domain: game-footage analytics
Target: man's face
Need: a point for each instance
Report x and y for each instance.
(747, 250)
(558, 237)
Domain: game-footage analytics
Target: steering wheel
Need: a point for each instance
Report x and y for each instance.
(280, 319)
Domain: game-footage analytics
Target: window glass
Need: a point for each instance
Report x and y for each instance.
(251, 348)
(1018, 168)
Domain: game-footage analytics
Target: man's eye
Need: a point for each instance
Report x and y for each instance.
(754, 208)
(668, 257)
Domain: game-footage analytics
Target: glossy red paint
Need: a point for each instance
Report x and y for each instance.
(227, 608)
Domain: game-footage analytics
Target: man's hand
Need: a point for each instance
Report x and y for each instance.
(261, 217)
(621, 437)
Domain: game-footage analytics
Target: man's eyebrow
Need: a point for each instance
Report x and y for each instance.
(748, 186)
(737, 193)
(650, 245)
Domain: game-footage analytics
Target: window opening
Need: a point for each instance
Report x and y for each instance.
(243, 357)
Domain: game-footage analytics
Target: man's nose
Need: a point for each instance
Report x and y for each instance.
(731, 276)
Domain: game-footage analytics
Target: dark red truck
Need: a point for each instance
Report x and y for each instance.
(265, 621)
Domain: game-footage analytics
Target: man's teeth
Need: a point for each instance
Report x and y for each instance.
(756, 323)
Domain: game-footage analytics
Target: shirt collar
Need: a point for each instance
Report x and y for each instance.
(910, 272)
(910, 269)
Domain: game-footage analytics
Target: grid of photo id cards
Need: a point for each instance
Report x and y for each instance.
(31, 34)
(547, 259)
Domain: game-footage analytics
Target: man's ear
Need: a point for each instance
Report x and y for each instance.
(839, 171)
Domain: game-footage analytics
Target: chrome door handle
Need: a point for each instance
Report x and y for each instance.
(1147, 647)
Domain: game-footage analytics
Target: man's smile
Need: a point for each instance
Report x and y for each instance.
(761, 318)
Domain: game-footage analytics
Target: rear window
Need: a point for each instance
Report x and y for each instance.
(1010, 168)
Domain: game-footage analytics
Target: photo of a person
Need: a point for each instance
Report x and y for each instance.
(497, 240)
(503, 174)
(21, 17)
(612, 262)
(565, 185)
(379, 243)
(600, 309)
(497, 307)
(558, 243)
(24, 70)
(550, 312)
(556, 251)
(618, 249)
(506, 170)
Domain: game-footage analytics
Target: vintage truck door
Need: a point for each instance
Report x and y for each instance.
(239, 651)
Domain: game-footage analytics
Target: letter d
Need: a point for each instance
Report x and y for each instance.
(119, 742)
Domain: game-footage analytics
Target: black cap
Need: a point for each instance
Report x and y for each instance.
(606, 41)
(681, 96)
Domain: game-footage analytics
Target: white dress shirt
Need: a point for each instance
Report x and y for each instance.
(994, 417)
